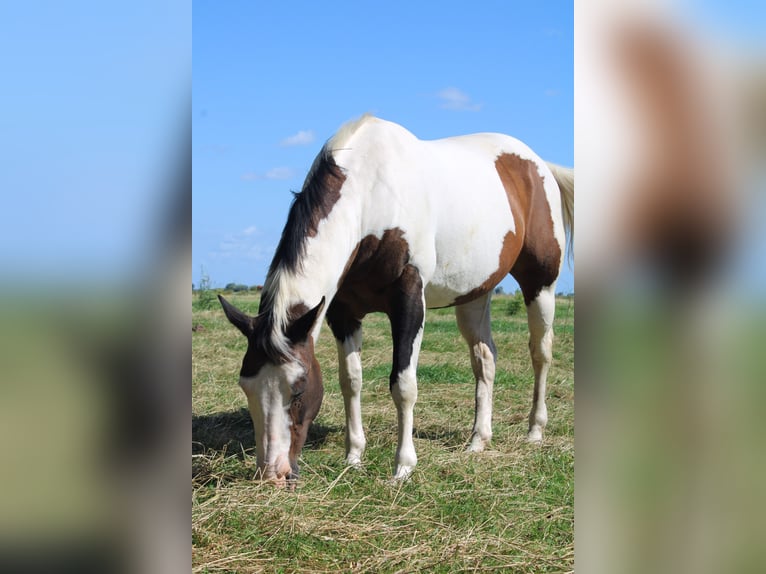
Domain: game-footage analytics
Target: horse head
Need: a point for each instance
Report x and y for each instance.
(283, 385)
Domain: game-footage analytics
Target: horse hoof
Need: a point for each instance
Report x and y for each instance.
(402, 474)
(477, 444)
(354, 462)
(535, 436)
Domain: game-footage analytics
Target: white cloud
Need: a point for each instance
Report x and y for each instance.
(275, 173)
(456, 99)
(245, 244)
(303, 137)
(280, 173)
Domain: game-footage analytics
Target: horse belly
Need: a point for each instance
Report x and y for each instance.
(472, 259)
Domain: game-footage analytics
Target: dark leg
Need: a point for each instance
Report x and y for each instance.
(407, 314)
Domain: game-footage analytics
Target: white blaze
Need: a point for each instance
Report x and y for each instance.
(268, 397)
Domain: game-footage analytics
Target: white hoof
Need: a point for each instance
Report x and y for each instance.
(535, 435)
(477, 444)
(403, 472)
(354, 461)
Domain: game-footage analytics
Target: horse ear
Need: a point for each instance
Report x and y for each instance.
(299, 330)
(240, 320)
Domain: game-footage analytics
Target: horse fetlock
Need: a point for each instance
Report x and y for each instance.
(354, 459)
(403, 472)
(538, 416)
(535, 434)
(537, 422)
(354, 450)
(405, 456)
(479, 441)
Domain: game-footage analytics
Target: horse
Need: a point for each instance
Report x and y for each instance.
(386, 222)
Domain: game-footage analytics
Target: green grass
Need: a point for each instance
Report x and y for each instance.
(508, 509)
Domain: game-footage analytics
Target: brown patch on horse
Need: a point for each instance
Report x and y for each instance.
(296, 311)
(377, 273)
(376, 264)
(538, 261)
(256, 355)
(305, 401)
(313, 204)
(253, 361)
(260, 349)
(379, 277)
(406, 313)
(328, 179)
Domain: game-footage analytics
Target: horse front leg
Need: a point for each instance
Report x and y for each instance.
(407, 315)
(348, 338)
(350, 371)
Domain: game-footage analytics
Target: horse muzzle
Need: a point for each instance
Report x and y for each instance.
(281, 473)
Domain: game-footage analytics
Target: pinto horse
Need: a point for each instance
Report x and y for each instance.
(387, 222)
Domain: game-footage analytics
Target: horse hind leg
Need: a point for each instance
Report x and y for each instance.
(540, 312)
(536, 270)
(473, 320)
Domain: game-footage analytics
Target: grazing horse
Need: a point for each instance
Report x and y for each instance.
(387, 222)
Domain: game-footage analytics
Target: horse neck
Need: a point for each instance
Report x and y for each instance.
(317, 274)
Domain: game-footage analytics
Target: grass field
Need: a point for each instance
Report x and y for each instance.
(509, 509)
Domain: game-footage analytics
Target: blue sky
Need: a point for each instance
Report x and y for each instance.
(273, 80)
(93, 107)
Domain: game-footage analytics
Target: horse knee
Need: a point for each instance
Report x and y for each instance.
(541, 356)
(541, 351)
(352, 381)
(404, 388)
(484, 357)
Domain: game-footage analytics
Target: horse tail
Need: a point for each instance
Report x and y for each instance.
(565, 178)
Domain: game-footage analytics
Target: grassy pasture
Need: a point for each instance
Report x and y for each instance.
(509, 509)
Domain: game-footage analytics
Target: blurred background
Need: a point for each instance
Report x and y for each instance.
(669, 142)
(95, 263)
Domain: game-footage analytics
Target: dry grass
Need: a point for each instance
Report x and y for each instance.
(509, 509)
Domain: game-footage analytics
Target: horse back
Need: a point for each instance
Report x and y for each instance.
(468, 210)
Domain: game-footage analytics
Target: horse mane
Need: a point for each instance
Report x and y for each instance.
(321, 190)
(308, 207)
(270, 340)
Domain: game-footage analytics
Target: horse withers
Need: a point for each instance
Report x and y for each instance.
(386, 222)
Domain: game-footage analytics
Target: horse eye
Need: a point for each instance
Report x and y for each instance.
(298, 388)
